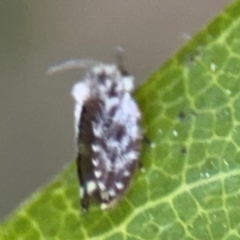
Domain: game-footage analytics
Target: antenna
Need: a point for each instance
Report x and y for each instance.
(72, 64)
(120, 63)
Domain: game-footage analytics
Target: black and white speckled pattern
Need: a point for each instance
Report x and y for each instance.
(109, 134)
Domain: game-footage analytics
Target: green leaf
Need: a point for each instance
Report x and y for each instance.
(191, 187)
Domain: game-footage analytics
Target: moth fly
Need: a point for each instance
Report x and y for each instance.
(108, 131)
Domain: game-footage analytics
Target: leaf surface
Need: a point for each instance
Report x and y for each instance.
(191, 185)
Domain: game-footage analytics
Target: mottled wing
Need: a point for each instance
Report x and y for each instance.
(116, 147)
(85, 165)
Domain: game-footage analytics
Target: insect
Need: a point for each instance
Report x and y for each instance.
(108, 131)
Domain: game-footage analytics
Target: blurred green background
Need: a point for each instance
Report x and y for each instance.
(36, 120)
